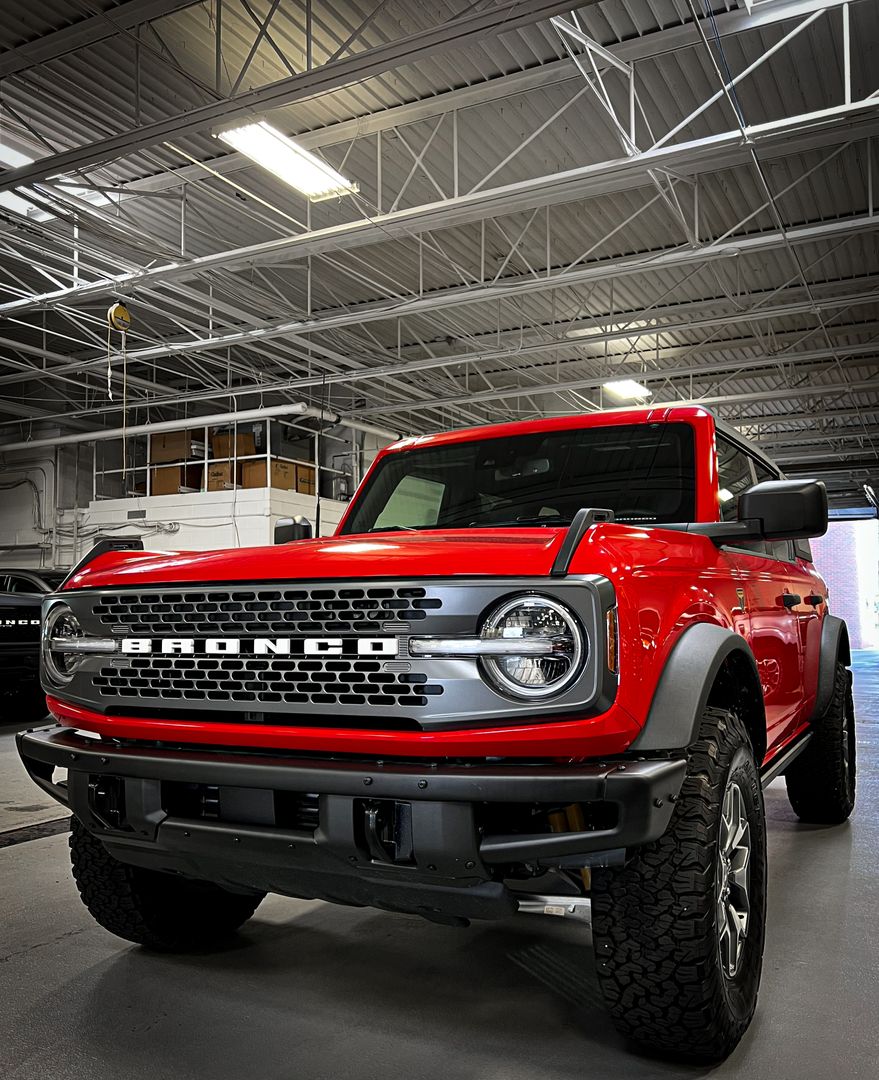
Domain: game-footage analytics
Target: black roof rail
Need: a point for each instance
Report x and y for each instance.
(582, 521)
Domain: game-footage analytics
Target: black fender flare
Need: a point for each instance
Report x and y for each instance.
(835, 649)
(686, 683)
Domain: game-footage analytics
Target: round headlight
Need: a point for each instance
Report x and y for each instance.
(535, 621)
(60, 624)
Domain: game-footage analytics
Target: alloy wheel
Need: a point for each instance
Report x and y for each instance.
(733, 879)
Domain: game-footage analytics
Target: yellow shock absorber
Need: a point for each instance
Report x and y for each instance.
(571, 819)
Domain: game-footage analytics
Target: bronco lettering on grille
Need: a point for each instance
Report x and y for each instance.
(278, 646)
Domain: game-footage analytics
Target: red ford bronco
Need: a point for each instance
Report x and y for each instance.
(542, 666)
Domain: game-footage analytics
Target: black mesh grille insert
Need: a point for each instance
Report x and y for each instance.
(256, 680)
(264, 611)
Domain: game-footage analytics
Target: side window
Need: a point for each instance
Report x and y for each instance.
(734, 477)
(763, 472)
(19, 584)
(415, 502)
(775, 549)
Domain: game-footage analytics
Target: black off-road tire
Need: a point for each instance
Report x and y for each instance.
(821, 781)
(655, 923)
(161, 911)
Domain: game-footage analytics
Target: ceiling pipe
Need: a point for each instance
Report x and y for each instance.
(296, 408)
(370, 429)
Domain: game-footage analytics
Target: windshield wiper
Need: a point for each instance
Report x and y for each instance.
(524, 521)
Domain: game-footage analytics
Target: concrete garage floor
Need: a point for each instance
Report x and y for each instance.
(314, 991)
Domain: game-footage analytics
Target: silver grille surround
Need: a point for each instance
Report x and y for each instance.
(429, 692)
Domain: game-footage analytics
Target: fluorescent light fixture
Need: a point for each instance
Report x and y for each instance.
(627, 390)
(724, 495)
(291, 163)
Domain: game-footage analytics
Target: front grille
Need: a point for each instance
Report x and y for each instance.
(253, 680)
(283, 669)
(265, 611)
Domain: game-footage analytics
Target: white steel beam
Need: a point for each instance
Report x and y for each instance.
(88, 31)
(455, 33)
(600, 270)
(659, 43)
(778, 138)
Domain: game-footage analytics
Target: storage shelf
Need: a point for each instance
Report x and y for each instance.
(199, 444)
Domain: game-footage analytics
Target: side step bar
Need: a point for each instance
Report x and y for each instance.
(775, 768)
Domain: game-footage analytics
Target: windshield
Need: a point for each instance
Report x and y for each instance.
(643, 472)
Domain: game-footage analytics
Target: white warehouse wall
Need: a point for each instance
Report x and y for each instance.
(49, 519)
(38, 530)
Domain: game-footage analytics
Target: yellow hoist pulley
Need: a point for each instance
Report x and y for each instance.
(118, 318)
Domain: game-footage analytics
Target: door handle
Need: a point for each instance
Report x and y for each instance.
(814, 600)
(791, 599)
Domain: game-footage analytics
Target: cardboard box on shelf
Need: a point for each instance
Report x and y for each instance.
(173, 479)
(223, 445)
(175, 446)
(220, 477)
(283, 474)
(305, 479)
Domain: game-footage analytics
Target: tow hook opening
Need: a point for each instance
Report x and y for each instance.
(107, 801)
(384, 828)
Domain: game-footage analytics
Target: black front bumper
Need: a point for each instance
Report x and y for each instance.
(451, 864)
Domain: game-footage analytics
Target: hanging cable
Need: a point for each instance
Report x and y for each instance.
(119, 319)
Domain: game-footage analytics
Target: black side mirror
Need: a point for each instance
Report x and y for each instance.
(290, 529)
(786, 509)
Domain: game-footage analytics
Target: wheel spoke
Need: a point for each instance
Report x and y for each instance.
(733, 878)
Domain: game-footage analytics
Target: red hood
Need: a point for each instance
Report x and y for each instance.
(465, 553)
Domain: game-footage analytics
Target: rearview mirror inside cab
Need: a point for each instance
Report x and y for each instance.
(786, 509)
